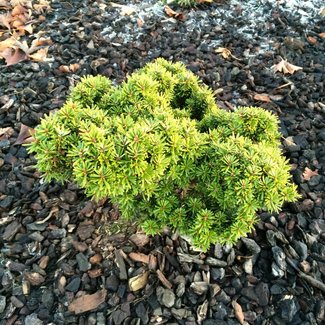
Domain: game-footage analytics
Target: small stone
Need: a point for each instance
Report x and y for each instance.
(199, 288)
(48, 298)
(168, 298)
(57, 233)
(73, 285)
(180, 290)
(248, 266)
(317, 226)
(142, 313)
(11, 230)
(288, 309)
(280, 265)
(85, 230)
(301, 249)
(263, 293)
(16, 302)
(33, 320)
(112, 283)
(2, 303)
(217, 273)
(251, 245)
(220, 311)
(83, 263)
(34, 278)
(179, 313)
(215, 262)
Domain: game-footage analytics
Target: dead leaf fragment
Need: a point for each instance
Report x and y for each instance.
(139, 281)
(226, 53)
(6, 133)
(238, 311)
(322, 35)
(262, 97)
(87, 302)
(125, 10)
(174, 14)
(40, 55)
(308, 173)
(285, 67)
(24, 135)
(13, 56)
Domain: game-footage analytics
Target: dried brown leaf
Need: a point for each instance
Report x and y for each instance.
(322, 35)
(6, 133)
(87, 302)
(5, 20)
(18, 10)
(262, 97)
(224, 52)
(285, 67)
(174, 14)
(308, 173)
(7, 43)
(13, 56)
(40, 55)
(125, 10)
(24, 134)
(238, 311)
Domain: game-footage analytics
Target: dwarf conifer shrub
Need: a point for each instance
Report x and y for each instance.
(162, 151)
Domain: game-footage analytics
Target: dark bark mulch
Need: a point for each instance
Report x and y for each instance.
(67, 260)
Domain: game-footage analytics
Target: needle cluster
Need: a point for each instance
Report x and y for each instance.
(159, 147)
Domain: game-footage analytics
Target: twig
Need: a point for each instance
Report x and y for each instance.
(315, 283)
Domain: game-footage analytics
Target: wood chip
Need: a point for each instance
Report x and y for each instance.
(139, 239)
(164, 280)
(139, 257)
(238, 311)
(138, 282)
(87, 302)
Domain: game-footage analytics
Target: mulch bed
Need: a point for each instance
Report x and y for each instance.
(67, 260)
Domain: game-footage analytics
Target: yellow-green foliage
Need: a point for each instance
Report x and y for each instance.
(160, 149)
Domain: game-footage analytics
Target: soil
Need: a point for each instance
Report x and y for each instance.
(67, 260)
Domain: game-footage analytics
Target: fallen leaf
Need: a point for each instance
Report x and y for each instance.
(7, 43)
(6, 133)
(13, 56)
(125, 10)
(285, 67)
(87, 302)
(40, 55)
(18, 10)
(238, 311)
(308, 173)
(139, 281)
(171, 13)
(24, 135)
(262, 97)
(5, 20)
(322, 12)
(224, 52)
(4, 4)
(311, 40)
(322, 35)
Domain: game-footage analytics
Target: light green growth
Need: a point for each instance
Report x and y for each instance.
(166, 155)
